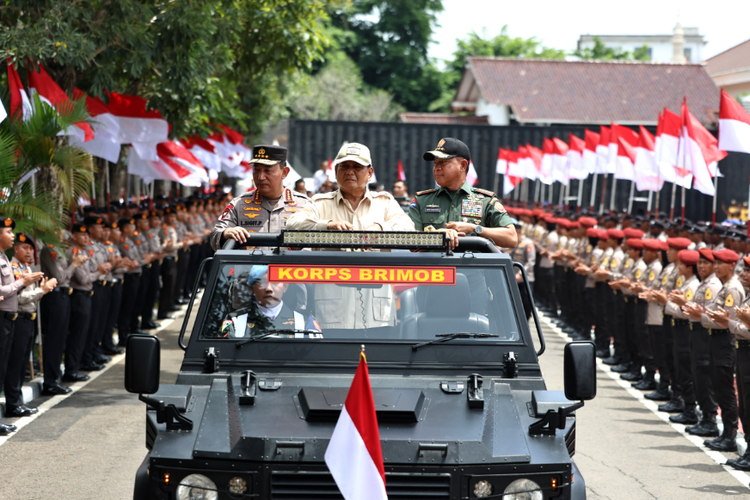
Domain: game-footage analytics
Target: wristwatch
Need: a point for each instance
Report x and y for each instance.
(478, 230)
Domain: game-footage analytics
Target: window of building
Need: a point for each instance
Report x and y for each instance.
(688, 52)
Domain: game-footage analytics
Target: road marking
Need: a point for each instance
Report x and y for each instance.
(55, 400)
(718, 457)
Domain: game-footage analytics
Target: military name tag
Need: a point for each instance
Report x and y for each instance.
(432, 209)
(471, 208)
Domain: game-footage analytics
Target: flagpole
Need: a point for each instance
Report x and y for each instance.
(604, 194)
(683, 204)
(497, 181)
(716, 192)
(614, 190)
(580, 195)
(567, 195)
(648, 207)
(536, 193)
(632, 192)
(593, 192)
(106, 179)
(674, 194)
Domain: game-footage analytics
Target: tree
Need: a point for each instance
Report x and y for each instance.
(32, 149)
(388, 40)
(502, 45)
(601, 52)
(338, 93)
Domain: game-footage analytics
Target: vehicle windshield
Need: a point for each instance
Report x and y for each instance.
(393, 303)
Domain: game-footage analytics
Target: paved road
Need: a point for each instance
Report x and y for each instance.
(89, 445)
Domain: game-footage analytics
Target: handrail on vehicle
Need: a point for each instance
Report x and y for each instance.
(180, 339)
(542, 345)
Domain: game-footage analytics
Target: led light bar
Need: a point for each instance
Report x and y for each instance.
(363, 239)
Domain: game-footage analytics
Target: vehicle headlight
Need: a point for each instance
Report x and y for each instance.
(523, 489)
(197, 487)
(482, 489)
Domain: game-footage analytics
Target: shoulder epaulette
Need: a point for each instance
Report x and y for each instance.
(484, 192)
(426, 191)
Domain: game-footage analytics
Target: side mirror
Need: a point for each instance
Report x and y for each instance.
(142, 364)
(580, 371)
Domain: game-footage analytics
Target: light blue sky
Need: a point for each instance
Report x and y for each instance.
(724, 23)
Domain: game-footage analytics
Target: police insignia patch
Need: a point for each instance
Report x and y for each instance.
(729, 301)
(252, 209)
(251, 216)
(709, 294)
(664, 280)
(638, 274)
(499, 207)
(679, 282)
(228, 210)
(689, 295)
(651, 276)
(589, 248)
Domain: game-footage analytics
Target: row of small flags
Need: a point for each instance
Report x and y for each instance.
(683, 152)
(126, 121)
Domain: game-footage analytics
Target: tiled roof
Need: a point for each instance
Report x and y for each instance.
(443, 118)
(735, 58)
(591, 92)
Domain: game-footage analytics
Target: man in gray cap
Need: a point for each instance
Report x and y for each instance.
(264, 210)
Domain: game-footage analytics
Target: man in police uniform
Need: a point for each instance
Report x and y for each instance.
(25, 328)
(168, 236)
(265, 210)
(457, 208)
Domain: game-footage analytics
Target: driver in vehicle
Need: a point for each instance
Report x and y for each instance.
(262, 309)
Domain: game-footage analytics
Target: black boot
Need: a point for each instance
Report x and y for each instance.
(706, 428)
(687, 417)
(660, 394)
(725, 442)
(672, 406)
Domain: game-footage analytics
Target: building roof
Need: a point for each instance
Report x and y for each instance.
(443, 118)
(731, 60)
(587, 92)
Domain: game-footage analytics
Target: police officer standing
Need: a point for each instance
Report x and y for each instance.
(168, 236)
(92, 355)
(25, 328)
(265, 210)
(456, 207)
(132, 279)
(55, 310)
(9, 288)
(117, 275)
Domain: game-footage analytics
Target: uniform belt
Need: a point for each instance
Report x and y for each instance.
(102, 282)
(64, 290)
(90, 293)
(680, 321)
(10, 316)
(742, 344)
(27, 315)
(715, 331)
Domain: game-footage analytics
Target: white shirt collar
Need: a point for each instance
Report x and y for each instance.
(271, 312)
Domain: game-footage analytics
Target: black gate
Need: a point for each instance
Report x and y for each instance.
(312, 141)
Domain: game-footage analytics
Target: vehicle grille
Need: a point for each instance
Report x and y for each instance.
(321, 486)
(570, 440)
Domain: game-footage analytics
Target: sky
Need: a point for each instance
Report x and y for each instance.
(723, 23)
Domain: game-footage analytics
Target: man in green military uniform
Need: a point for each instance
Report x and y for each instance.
(457, 208)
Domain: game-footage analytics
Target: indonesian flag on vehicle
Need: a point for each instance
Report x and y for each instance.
(576, 168)
(591, 141)
(602, 151)
(106, 142)
(471, 175)
(666, 146)
(400, 171)
(647, 176)
(51, 93)
(18, 96)
(175, 163)
(354, 456)
(699, 152)
(734, 125)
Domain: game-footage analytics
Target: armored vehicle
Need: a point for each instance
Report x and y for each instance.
(462, 406)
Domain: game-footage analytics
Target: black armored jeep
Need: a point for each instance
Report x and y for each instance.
(462, 407)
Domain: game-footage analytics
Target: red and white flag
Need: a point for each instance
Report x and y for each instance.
(624, 140)
(51, 93)
(734, 125)
(699, 152)
(602, 151)
(510, 181)
(545, 174)
(576, 168)
(560, 161)
(175, 163)
(591, 140)
(142, 128)
(401, 173)
(19, 99)
(106, 142)
(204, 151)
(501, 167)
(522, 166)
(534, 168)
(471, 176)
(647, 177)
(666, 146)
(354, 456)
(514, 163)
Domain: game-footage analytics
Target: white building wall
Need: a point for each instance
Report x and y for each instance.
(660, 52)
(497, 114)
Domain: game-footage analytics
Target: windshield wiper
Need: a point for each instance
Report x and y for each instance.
(264, 334)
(445, 337)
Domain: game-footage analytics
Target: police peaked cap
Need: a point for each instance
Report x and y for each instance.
(268, 154)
